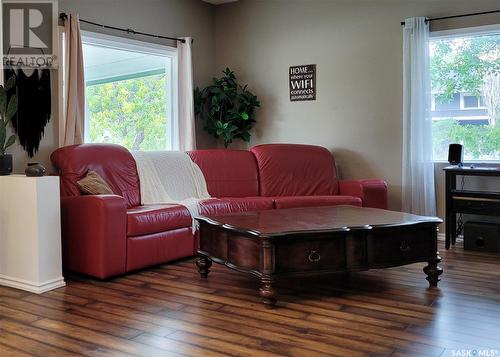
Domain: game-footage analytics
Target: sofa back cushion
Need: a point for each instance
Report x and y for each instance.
(295, 170)
(113, 163)
(229, 173)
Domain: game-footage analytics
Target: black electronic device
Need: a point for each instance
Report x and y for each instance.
(456, 154)
(482, 236)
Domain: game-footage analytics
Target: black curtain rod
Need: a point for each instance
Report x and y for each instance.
(457, 16)
(64, 16)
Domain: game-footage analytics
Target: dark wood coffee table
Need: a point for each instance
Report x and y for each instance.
(315, 240)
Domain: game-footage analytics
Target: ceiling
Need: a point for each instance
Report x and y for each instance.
(219, 2)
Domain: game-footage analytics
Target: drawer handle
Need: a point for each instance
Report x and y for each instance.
(404, 247)
(314, 256)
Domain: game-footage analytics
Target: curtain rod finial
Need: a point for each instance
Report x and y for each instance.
(62, 18)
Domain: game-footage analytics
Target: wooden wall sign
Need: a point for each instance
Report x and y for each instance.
(302, 82)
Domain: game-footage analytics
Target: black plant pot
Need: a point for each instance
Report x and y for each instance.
(5, 164)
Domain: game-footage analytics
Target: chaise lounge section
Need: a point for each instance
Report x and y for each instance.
(109, 235)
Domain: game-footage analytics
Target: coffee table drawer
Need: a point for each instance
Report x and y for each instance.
(393, 247)
(306, 255)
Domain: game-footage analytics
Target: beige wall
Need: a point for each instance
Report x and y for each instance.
(169, 17)
(355, 43)
(357, 46)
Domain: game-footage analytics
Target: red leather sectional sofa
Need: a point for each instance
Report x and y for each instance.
(108, 235)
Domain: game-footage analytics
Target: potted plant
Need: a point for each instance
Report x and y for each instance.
(227, 108)
(8, 108)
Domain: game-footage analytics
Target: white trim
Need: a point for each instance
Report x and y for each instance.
(95, 38)
(56, 50)
(32, 287)
(174, 109)
(131, 45)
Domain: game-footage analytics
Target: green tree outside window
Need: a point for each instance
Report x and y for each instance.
(467, 65)
(131, 113)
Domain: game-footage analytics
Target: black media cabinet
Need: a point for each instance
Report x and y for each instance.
(467, 201)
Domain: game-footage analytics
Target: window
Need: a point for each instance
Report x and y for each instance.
(470, 101)
(465, 72)
(130, 92)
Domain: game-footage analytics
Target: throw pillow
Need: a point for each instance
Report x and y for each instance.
(93, 184)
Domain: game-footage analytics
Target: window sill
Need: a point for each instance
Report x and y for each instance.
(469, 162)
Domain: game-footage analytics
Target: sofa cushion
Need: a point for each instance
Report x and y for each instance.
(236, 204)
(315, 201)
(159, 248)
(295, 170)
(113, 163)
(229, 173)
(151, 219)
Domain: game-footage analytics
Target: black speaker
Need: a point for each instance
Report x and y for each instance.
(482, 236)
(455, 154)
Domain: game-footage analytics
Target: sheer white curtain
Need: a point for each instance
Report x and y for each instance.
(418, 168)
(186, 128)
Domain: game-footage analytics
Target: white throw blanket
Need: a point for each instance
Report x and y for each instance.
(171, 177)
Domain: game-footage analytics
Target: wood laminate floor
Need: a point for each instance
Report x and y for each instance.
(170, 311)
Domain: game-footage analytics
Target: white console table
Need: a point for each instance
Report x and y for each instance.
(30, 233)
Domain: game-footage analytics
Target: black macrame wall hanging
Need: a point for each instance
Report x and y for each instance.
(34, 106)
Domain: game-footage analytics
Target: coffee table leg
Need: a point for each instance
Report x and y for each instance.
(433, 271)
(268, 293)
(203, 263)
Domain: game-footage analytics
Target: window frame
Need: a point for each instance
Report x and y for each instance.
(462, 102)
(124, 43)
(464, 31)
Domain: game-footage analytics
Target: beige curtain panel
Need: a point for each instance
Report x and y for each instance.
(73, 112)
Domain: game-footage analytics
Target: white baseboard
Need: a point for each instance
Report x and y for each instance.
(32, 287)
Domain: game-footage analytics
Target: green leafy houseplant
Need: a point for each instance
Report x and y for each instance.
(227, 108)
(8, 108)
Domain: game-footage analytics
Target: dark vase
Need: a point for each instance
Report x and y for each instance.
(35, 169)
(5, 164)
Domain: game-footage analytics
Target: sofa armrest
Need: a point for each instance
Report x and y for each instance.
(373, 192)
(94, 234)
